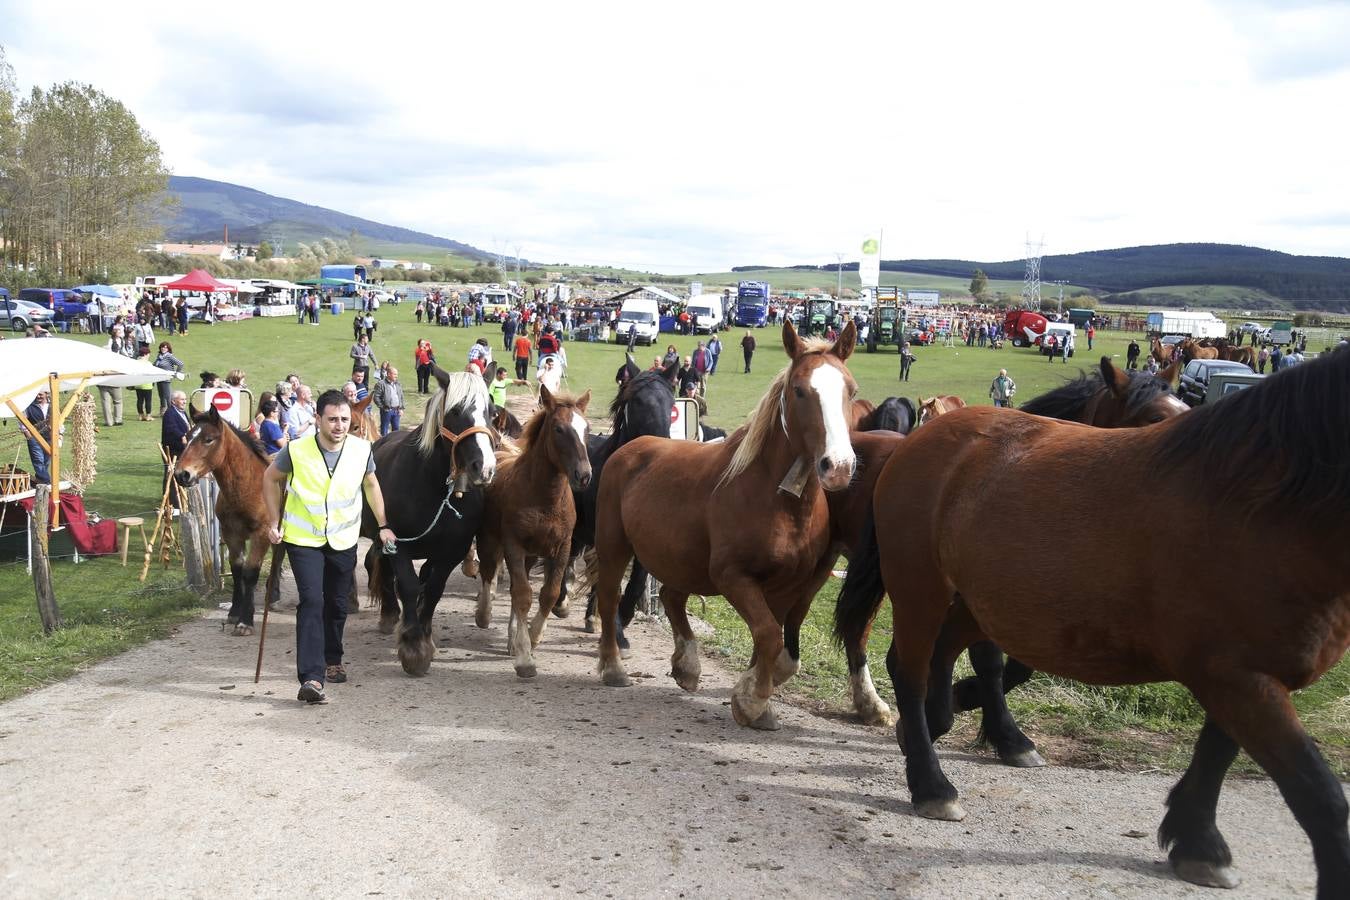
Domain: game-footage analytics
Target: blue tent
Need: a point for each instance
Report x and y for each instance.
(102, 290)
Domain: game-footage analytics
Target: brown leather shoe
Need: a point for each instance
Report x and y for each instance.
(335, 674)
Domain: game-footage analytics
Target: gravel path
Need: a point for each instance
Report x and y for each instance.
(167, 772)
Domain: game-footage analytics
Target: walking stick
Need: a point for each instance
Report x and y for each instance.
(273, 582)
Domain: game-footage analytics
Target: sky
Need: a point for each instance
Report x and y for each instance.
(697, 136)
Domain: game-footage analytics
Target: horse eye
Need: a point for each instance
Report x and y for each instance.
(800, 393)
(558, 429)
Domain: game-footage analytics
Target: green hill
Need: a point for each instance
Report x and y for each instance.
(206, 207)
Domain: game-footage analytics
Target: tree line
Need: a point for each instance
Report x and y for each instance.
(81, 183)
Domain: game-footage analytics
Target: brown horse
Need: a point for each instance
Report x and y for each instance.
(530, 515)
(1244, 355)
(936, 406)
(683, 510)
(364, 423)
(1163, 353)
(237, 461)
(1191, 349)
(1261, 475)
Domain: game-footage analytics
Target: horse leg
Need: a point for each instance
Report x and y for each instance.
(246, 579)
(917, 615)
(966, 694)
(867, 703)
(750, 697)
(380, 580)
(1199, 853)
(789, 662)
(608, 579)
(1013, 747)
(686, 665)
(414, 654)
(1255, 710)
(561, 607)
(555, 571)
(633, 592)
(489, 560)
(432, 577)
(470, 567)
(519, 644)
(959, 630)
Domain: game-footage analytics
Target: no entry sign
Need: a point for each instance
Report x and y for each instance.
(226, 401)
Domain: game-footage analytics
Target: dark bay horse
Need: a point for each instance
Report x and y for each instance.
(237, 461)
(431, 478)
(530, 515)
(684, 509)
(1262, 475)
(896, 414)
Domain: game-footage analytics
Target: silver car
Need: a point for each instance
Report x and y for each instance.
(19, 315)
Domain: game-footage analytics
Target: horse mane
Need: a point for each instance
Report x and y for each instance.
(749, 438)
(461, 389)
(1069, 401)
(246, 438)
(1278, 444)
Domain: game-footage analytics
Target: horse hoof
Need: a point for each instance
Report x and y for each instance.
(526, 671)
(1206, 874)
(765, 721)
(387, 626)
(881, 716)
(588, 626)
(1026, 759)
(416, 658)
(687, 680)
(943, 810)
(625, 652)
(616, 678)
(231, 619)
(470, 568)
(561, 609)
(483, 618)
(242, 630)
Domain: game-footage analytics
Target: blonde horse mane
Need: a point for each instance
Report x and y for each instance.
(462, 389)
(750, 437)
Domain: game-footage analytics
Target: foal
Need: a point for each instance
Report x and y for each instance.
(530, 514)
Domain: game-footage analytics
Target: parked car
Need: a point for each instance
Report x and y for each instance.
(1195, 377)
(20, 314)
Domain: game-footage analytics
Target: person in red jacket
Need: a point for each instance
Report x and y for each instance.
(424, 358)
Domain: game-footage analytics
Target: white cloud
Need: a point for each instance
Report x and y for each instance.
(702, 135)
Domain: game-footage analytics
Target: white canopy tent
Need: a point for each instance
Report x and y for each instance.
(56, 365)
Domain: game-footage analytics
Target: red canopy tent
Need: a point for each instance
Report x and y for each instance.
(199, 280)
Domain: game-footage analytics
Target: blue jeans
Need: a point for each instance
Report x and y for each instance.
(41, 474)
(323, 579)
(389, 419)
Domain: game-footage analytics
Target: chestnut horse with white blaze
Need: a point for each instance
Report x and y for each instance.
(530, 515)
(746, 519)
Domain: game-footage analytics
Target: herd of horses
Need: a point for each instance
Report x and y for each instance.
(1205, 348)
(927, 514)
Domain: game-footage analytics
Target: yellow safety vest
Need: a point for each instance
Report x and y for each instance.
(324, 508)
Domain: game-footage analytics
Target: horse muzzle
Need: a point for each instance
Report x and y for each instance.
(581, 478)
(836, 474)
(184, 478)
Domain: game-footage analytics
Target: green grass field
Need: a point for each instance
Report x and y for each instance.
(112, 611)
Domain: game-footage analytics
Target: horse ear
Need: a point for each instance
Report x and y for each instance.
(584, 401)
(793, 344)
(671, 371)
(193, 412)
(1117, 380)
(545, 397)
(631, 366)
(1172, 374)
(843, 346)
(442, 376)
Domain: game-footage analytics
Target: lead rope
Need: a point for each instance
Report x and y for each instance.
(445, 504)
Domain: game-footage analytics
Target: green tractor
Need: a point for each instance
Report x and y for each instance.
(821, 315)
(888, 320)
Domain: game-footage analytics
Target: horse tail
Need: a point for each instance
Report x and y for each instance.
(586, 580)
(863, 589)
(375, 587)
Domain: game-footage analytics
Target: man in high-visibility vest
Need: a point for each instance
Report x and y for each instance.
(325, 474)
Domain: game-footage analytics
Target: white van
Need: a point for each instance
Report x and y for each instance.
(1063, 331)
(705, 313)
(640, 314)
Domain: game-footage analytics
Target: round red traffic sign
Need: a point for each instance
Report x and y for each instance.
(222, 401)
(674, 412)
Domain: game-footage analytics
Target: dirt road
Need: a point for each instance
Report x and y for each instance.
(166, 771)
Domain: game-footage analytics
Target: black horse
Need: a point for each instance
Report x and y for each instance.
(893, 414)
(642, 407)
(432, 479)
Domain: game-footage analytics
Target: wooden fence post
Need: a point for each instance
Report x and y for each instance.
(192, 543)
(42, 570)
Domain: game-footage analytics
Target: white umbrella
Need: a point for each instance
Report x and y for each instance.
(57, 365)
